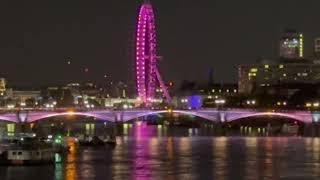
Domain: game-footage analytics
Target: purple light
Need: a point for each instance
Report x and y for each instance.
(39, 116)
(146, 55)
(209, 114)
(299, 117)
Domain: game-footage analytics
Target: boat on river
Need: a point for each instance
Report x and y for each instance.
(26, 150)
(96, 141)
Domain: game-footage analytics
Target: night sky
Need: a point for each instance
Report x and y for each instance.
(38, 37)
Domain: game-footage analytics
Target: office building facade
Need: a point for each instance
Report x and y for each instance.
(254, 76)
(291, 45)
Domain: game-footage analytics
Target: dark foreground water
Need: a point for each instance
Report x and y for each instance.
(147, 153)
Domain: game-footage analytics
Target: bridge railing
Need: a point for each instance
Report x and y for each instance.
(77, 109)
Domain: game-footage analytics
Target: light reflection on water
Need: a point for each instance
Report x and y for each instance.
(316, 156)
(146, 154)
(220, 155)
(71, 162)
(251, 154)
(268, 162)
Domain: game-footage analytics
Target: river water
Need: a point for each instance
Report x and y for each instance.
(148, 153)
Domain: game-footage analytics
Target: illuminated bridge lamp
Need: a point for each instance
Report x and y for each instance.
(70, 113)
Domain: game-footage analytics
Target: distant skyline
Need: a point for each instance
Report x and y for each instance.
(39, 38)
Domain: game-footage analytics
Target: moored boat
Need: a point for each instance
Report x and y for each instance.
(98, 142)
(27, 151)
(94, 141)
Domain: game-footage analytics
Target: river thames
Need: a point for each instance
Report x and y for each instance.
(147, 152)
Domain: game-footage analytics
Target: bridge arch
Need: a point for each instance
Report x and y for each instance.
(34, 118)
(304, 118)
(192, 113)
(8, 119)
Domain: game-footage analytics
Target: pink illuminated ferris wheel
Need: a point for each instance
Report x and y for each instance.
(147, 74)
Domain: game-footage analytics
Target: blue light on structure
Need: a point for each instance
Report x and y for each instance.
(316, 117)
(195, 102)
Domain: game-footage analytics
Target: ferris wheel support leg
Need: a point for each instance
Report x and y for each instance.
(163, 86)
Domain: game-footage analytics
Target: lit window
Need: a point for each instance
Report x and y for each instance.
(254, 70)
(266, 66)
(280, 66)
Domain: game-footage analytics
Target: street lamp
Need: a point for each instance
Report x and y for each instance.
(220, 102)
(251, 102)
(312, 104)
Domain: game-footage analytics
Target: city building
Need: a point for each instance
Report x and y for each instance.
(27, 98)
(120, 90)
(317, 47)
(291, 45)
(204, 95)
(289, 69)
(2, 86)
(223, 89)
(269, 73)
(122, 103)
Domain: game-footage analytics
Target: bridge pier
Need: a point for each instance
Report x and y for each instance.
(20, 126)
(222, 117)
(117, 124)
(118, 117)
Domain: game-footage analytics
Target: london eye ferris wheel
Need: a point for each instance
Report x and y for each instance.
(147, 73)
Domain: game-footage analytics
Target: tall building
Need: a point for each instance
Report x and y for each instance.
(2, 86)
(291, 45)
(210, 78)
(317, 47)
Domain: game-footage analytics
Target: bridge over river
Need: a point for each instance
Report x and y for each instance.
(215, 115)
